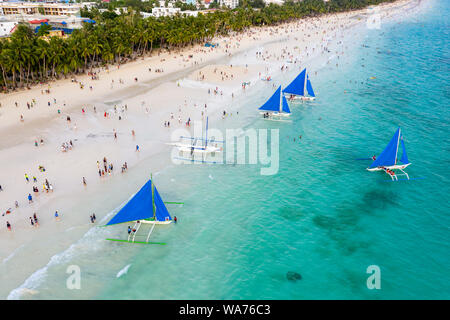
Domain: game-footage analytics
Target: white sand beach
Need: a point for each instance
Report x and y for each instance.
(126, 107)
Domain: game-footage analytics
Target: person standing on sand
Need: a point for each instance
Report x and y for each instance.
(137, 148)
(35, 220)
(30, 198)
(8, 225)
(26, 178)
(31, 221)
(56, 215)
(84, 181)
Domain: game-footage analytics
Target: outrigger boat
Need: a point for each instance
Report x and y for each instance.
(300, 88)
(145, 208)
(198, 145)
(276, 107)
(387, 160)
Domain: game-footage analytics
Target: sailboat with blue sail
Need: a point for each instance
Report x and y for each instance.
(300, 88)
(276, 107)
(388, 159)
(146, 207)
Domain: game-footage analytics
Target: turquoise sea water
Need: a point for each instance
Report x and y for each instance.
(323, 215)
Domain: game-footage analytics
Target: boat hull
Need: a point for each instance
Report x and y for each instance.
(397, 166)
(155, 222)
(187, 148)
(276, 114)
(291, 97)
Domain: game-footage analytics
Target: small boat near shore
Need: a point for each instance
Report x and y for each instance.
(145, 208)
(199, 145)
(276, 108)
(387, 160)
(300, 88)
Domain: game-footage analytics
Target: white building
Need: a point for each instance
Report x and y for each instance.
(229, 3)
(163, 11)
(279, 2)
(48, 9)
(7, 27)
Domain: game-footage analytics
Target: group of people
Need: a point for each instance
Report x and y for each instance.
(389, 171)
(34, 221)
(107, 168)
(216, 91)
(36, 142)
(66, 146)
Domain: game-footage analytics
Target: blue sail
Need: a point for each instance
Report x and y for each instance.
(389, 154)
(273, 104)
(297, 86)
(309, 87)
(141, 207)
(404, 158)
(285, 107)
(162, 214)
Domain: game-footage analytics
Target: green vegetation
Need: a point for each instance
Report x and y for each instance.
(26, 59)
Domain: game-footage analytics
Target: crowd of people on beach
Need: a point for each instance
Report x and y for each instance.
(285, 57)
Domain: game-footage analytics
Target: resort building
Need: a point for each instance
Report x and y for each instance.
(229, 3)
(43, 8)
(161, 11)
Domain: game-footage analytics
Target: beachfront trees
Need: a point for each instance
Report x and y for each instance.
(25, 58)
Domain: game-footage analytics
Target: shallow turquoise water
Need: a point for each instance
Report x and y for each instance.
(323, 215)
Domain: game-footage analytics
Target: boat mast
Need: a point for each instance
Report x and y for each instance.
(153, 198)
(304, 83)
(281, 100)
(206, 141)
(398, 142)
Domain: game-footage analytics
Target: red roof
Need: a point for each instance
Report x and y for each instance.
(38, 21)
